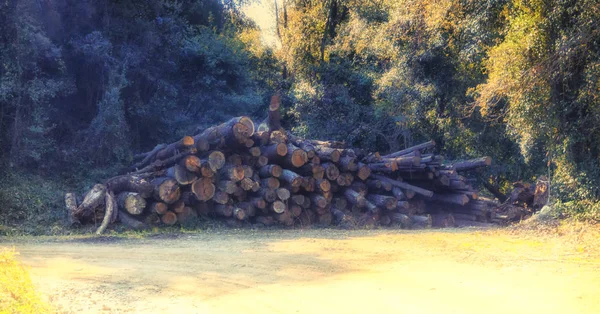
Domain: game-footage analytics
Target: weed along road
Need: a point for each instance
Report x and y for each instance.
(317, 271)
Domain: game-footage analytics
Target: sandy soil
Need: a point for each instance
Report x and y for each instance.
(317, 271)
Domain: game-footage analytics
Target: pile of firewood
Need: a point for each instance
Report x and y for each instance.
(269, 176)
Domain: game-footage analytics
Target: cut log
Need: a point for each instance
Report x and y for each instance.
(459, 199)
(370, 207)
(348, 164)
(204, 189)
(224, 210)
(291, 178)
(233, 173)
(182, 175)
(360, 187)
(322, 185)
(331, 171)
(131, 183)
(131, 202)
(262, 161)
(398, 194)
(261, 138)
(71, 205)
(405, 185)
(159, 208)
(274, 116)
(110, 206)
(319, 200)
(94, 198)
(328, 153)
(255, 151)
(275, 152)
(259, 202)
(227, 186)
(363, 171)
(173, 148)
(235, 159)
(423, 221)
(471, 164)
(221, 197)
(443, 220)
(239, 213)
(177, 207)
(131, 222)
(186, 216)
(278, 207)
(409, 150)
(309, 184)
(216, 160)
(265, 220)
(403, 220)
(283, 194)
(232, 133)
(295, 210)
(248, 208)
(267, 194)
(384, 201)
(271, 183)
(355, 198)
(247, 184)
(270, 171)
(192, 163)
(295, 157)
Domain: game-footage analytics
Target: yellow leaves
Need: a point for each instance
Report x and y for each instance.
(17, 294)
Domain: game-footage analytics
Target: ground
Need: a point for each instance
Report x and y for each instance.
(318, 271)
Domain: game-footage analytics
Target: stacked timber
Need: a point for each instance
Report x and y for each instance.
(232, 172)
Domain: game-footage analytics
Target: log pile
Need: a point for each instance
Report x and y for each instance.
(233, 173)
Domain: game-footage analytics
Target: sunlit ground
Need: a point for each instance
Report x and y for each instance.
(324, 271)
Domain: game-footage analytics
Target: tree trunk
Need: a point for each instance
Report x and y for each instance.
(409, 150)
(406, 186)
(111, 206)
(270, 171)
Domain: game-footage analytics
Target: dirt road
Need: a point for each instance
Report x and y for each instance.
(454, 271)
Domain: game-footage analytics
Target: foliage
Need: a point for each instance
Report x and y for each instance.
(17, 294)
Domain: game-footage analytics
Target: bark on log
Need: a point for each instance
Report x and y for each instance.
(224, 210)
(328, 153)
(71, 205)
(409, 150)
(227, 186)
(270, 171)
(182, 175)
(186, 216)
(131, 222)
(291, 178)
(355, 198)
(275, 152)
(131, 183)
(472, 164)
(267, 194)
(405, 185)
(94, 198)
(348, 164)
(110, 207)
(443, 220)
(384, 201)
(295, 157)
(318, 200)
(259, 202)
(458, 199)
(423, 221)
(221, 197)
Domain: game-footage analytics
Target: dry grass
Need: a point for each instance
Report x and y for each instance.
(17, 294)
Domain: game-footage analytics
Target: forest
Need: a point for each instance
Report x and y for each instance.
(85, 85)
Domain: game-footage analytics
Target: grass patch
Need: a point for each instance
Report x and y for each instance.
(17, 294)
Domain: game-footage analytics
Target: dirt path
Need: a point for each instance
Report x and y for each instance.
(317, 272)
